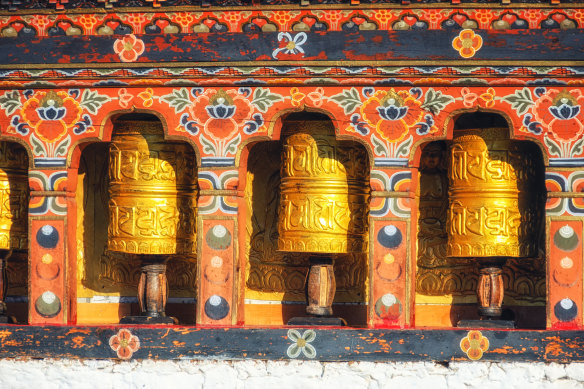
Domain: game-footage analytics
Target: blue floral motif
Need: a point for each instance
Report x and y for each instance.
(21, 127)
(359, 126)
(51, 112)
(416, 92)
(392, 112)
(532, 126)
(246, 91)
(422, 128)
(368, 92)
(540, 91)
(564, 111)
(83, 125)
(221, 111)
(254, 125)
(74, 93)
(195, 92)
(189, 125)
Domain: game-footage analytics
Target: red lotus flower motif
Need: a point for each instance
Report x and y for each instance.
(129, 48)
(467, 43)
(51, 114)
(221, 113)
(392, 113)
(560, 113)
(124, 343)
(474, 345)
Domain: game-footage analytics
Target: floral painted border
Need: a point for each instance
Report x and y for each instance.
(390, 119)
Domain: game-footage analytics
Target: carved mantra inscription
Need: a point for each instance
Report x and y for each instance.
(13, 197)
(152, 193)
(489, 207)
(324, 193)
(439, 275)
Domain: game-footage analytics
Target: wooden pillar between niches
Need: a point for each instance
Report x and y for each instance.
(392, 246)
(217, 303)
(49, 294)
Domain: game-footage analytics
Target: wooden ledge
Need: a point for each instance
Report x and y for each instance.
(323, 344)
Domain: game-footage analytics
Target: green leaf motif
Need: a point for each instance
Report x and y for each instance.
(208, 146)
(38, 148)
(520, 101)
(264, 99)
(92, 101)
(63, 147)
(179, 99)
(577, 148)
(553, 147)
(10, 102)
(231, 147)
(435, 101)
(349, 99)
(404, 147)
(379, 147)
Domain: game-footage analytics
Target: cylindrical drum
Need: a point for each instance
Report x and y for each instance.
(491, 199)
(13, 196)
(324, 191)
(152, 191)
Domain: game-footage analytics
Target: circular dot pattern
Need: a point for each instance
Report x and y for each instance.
(218, 237)
(216, 307)
(216, 262)
(566, 310)
(566, 238)
(48, 271)
(566, 263)
(389, 236)
(388, 269)
(47, 236)
(48, 304)
(388, 307)
(47, 259)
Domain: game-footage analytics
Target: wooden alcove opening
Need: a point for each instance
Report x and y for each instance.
(446, 288)
(17, 272)
(274, 280)
(106, 276)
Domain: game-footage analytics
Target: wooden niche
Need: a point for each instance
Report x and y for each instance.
(446, 287)
(106, 280)
(275, 280)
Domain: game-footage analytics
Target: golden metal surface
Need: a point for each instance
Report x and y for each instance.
(491, 204)
(324, 191)
(444, 280)
(152, 191)
(278, 275)
(13, 196)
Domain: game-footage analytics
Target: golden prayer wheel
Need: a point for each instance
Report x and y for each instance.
(492, 207)
(13, 197)
(152, 192)
(13, 210)
(324, 195)
(152, 206)
(489, 197)
(324, 192)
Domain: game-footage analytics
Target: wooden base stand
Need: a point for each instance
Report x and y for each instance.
(320, 286)
(152, 293)
(490, 293)
(320, 293)
(490, 290)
